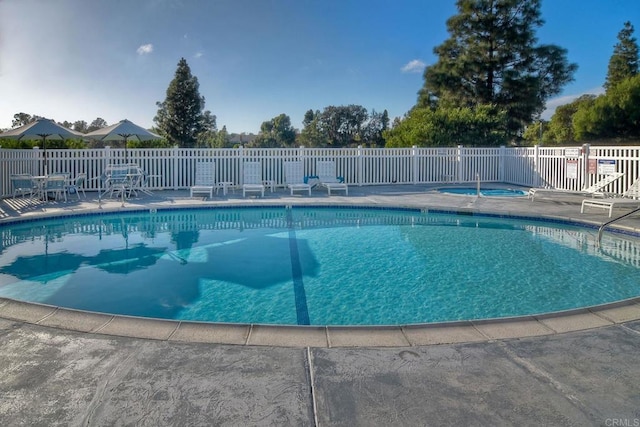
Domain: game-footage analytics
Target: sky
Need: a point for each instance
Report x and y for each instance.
(71, 60)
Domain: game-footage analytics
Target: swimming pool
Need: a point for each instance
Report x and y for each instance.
(486, 192)
(314, 266)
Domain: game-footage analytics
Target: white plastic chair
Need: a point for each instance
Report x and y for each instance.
(252, 178)
(592, 190)
(205, 180)
(630, 198)
(118, 181)
(78, 185)
(326, 171)
(23, 184)
(56, 184)
(294, 177)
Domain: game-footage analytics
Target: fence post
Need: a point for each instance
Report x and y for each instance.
(501, 163)
(241, 164)
(537, 179)
(360, 163)
(176, 167)
(585, 164)
(459, 177)
(414, 163)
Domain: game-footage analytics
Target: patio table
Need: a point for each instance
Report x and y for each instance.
(225, 185)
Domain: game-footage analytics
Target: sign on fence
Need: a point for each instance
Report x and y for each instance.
(572, 168)
(606, 167)
(571, 153)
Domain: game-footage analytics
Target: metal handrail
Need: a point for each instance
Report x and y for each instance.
(602, 227)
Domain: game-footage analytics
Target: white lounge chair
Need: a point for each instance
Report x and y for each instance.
(328, 178)
(631, 197)
(205, 180)
(252, 178)
(593, 190)
(294, 177)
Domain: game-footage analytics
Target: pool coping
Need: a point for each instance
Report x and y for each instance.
(322, 336)
(579, 319)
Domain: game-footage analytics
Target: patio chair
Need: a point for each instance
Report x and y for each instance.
(326, 171)
(593, 190)
(56, 185)
(252, 178)
(294, 177)
(117, 181)
(205, 181)
(629, 198)
(23, 184)
(78, 185)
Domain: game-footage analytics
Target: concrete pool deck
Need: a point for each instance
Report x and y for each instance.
(67, 367)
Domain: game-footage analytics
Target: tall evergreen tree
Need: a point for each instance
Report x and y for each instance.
(624, 61)
(492, 58)
(180, 117)
(312, 134)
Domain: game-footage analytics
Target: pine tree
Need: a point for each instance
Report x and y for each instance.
(180, 117)
(624, 61)
(492, 58)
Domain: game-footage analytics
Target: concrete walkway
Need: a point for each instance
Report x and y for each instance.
(589, 376)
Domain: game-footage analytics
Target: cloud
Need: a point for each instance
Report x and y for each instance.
(198, 54)
(145, 49)
(415, 66)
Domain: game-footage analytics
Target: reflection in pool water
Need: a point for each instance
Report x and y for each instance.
(485, 192)
(313, 265)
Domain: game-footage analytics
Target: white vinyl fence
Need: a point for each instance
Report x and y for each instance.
(174, 168)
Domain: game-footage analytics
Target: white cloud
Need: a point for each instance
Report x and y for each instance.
(198, 55)
(145, 49)
(415, 66)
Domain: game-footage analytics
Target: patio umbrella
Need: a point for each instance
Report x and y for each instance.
(124, 261)
(43, 267)
(122, 131)
(256, 261)
(44, 129)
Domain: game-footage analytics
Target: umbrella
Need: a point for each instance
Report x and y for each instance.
(45, 129)
(43, 267)
(122, 131)
(256, 262)
(124, 261)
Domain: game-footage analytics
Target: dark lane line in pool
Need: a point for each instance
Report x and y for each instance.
(302, 310)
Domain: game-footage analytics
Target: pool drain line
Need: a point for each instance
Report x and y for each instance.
(302, 310)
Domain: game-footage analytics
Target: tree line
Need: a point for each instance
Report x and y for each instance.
(614, 115)
(488, 87)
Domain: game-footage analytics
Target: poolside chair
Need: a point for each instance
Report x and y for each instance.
(116, 180)
(205, 181)
(56, 184)
(23, 184)
(326, 171)
(593, 190)
(78, 185)
(631, 197)
(252, 178)
(294, 177)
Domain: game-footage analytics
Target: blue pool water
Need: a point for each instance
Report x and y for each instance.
(486, 192)
(315, 266)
